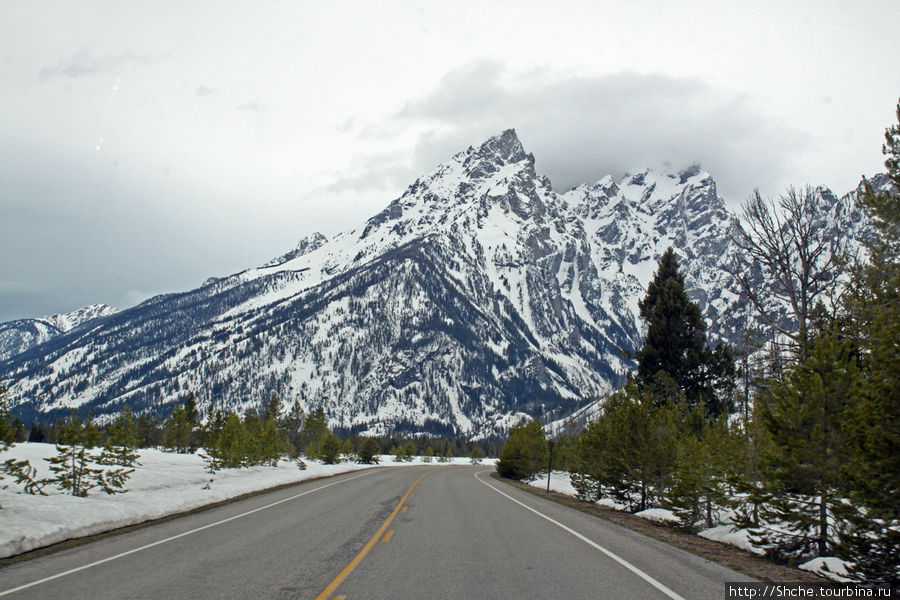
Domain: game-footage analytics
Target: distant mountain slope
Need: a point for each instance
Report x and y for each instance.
(20, 335)
(476, 298)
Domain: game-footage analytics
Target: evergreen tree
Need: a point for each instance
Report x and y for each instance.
(7, 431)
(872, 426)
(476, 456)
(429, 455)
(291, 426)
(179, 431)
(330, 449)
(230, 451)
(315, 428)
(525, 452)
(399, 452)
(368, 452)
(77, 468)
(409, 451)
(20, 470)
(804, 461)
(642, 444)
(149, 428)
(705, 455)
(271, 409)
(591, 471)
(120, 448)
(674, 358)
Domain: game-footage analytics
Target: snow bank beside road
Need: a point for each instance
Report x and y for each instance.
(164, 485)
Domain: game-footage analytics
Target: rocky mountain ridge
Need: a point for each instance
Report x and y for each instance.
(477, 297)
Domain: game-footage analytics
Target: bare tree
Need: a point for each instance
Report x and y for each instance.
(789, 243)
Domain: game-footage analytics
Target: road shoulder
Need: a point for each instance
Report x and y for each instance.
(732, 557)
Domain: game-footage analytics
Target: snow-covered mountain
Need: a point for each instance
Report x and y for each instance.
(20, 335)
(477, 297)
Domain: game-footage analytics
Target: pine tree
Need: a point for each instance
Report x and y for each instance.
(525, 452)
(330, 449)
(291, 426)
(674, 358)
(805, 458)
(368, 452)
(230, 451)
(706, 453)
(179, 432)
(409, 451)
(272, 408)
(872, 427)
(20, 470)
(315, 428)
(7, 431)
(77, 468)
(641, 446)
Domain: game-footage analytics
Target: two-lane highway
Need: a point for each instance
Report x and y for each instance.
(409, 532)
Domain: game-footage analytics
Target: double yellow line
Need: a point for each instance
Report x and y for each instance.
(362, 553)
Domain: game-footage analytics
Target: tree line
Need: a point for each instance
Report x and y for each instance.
(811, 465)
(92, 456)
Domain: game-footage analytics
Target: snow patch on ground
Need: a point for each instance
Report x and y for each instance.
(658, 515)
(830, 567)
(165, 484)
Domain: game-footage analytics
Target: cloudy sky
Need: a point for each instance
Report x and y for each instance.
(146, 146)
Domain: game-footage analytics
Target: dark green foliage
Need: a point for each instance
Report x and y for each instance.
(803, 462)
(78, 468)
(635, 445)
(24, 475)
(368, 452)
(314, 431)
(707, 452)
(291, 426)
(19, 470)
(872, 425)
(674, 359)
(149, 430)
(525, 452)
(7, 431)
(330, 449)
(409, 451)
(182, 428)
(476, 456)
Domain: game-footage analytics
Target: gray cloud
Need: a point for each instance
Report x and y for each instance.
(205, 92)
(85, 63)
(252, 107)
(583, 128)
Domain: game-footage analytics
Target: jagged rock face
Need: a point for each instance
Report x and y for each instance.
(18, 336)
(476, 298)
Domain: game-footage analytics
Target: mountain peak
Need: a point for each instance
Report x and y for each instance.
(504, 146)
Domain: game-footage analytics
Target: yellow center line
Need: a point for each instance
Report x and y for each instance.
(362, 553)
(388, 535)
(404, 509)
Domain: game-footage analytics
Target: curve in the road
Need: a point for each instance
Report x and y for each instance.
(589, 542)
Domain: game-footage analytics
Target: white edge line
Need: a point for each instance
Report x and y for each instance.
(591, 543)
(175, 537)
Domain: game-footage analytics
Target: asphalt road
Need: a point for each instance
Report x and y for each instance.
(407, 533)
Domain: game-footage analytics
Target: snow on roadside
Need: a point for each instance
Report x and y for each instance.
(657, 515)
(832, 568)
(165, 484)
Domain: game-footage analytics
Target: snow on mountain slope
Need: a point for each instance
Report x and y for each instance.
(18, 336)
(476, 298)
